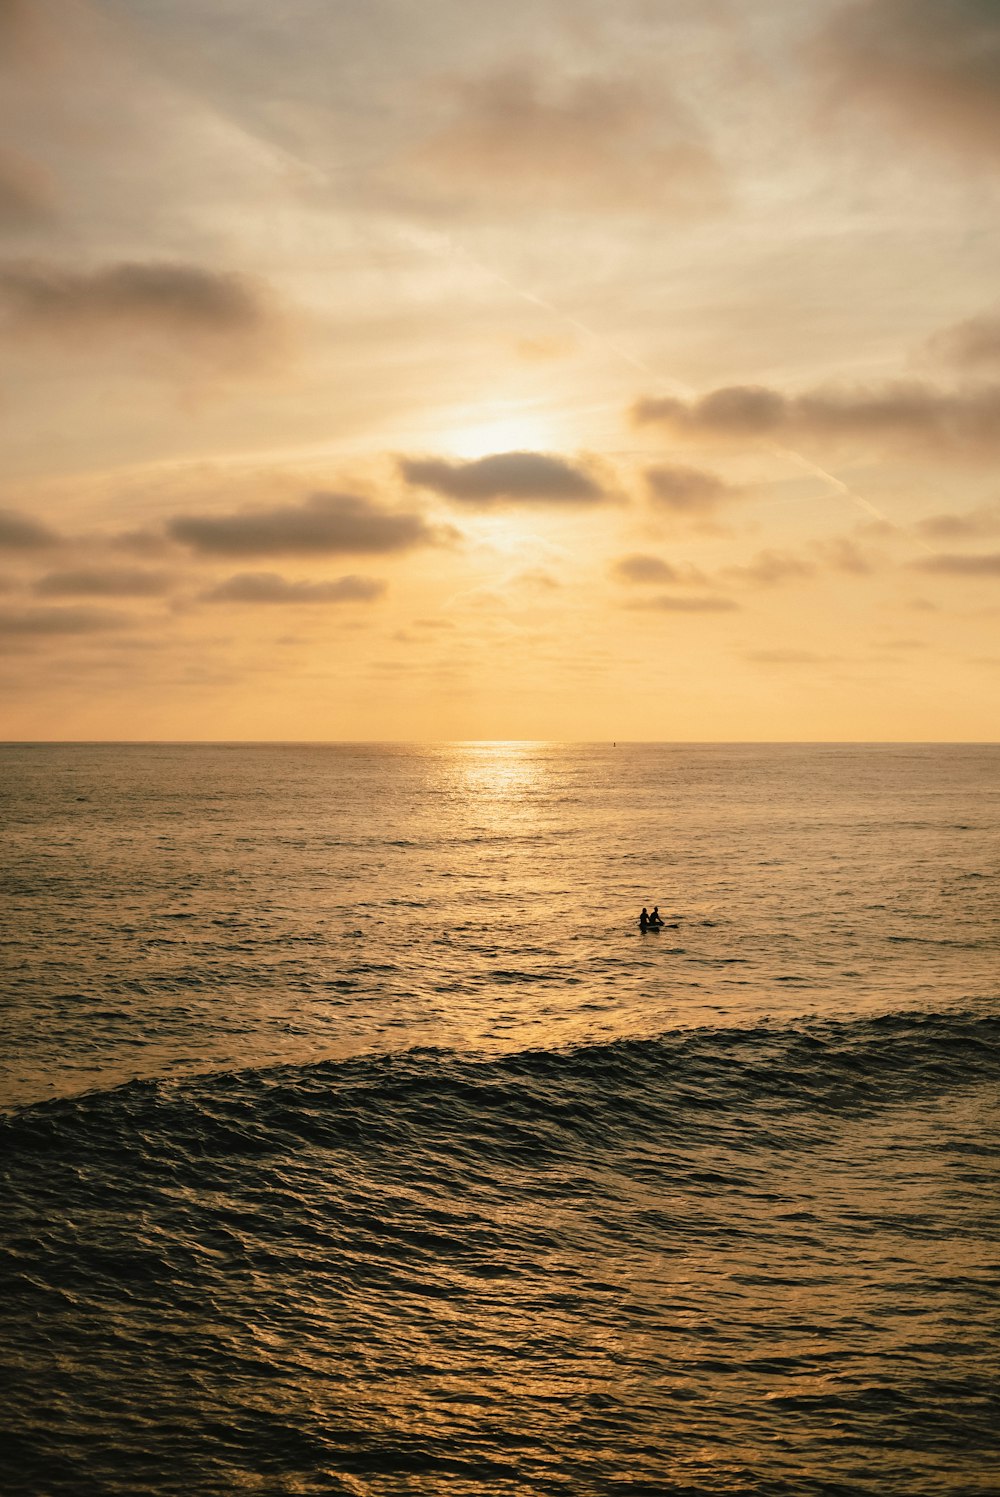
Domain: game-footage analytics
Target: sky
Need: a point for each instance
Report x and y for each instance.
(559, 369)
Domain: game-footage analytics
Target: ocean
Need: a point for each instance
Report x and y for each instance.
(356, 1140)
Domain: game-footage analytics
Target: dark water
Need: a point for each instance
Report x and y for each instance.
(357, 1142)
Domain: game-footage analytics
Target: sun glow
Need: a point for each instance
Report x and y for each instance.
(504, 429)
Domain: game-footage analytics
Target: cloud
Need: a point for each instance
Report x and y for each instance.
(973, 344)
(845, 555)
(321, 525)
(771, 567)
(687, 491)
(984, 520)
(269, 587)
(146, 543)
(104, 582)
(965, 421)
(520, 137)
(21, 533)
(667, 603)
(536, 579)
(181, 302)
(643, 569)
(22, 32)
(434, 624)
(25, 201)
(932, 66)
(733, 411)
(788, 657)
(504, 478)
(55, 621)
(950, 564)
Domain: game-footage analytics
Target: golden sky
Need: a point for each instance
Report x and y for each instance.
(554, 369)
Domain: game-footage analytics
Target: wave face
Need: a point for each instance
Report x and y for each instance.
(723, 1260)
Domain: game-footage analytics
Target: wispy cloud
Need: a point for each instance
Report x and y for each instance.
(973, 345)
(788, 657)
(59, 621)
(959, 565)
(687, 491)
(669, 603)
(270, 587)
(963, 524)
(529, 136)
(842, 554)
(768, 568)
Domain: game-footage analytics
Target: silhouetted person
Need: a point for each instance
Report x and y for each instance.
(643, 919)
(654, 918)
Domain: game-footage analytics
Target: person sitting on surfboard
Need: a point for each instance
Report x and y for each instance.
(654, 918)
(643, 919)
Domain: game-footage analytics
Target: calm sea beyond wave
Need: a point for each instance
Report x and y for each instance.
(356, 1140)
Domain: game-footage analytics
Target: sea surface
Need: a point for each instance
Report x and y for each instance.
(355, 1140)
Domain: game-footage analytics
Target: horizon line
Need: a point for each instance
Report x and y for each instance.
(569, 742)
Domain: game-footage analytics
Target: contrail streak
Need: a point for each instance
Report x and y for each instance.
(441, 243)
(676, 386)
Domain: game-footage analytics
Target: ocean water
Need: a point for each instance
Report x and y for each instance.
(355, 1140)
